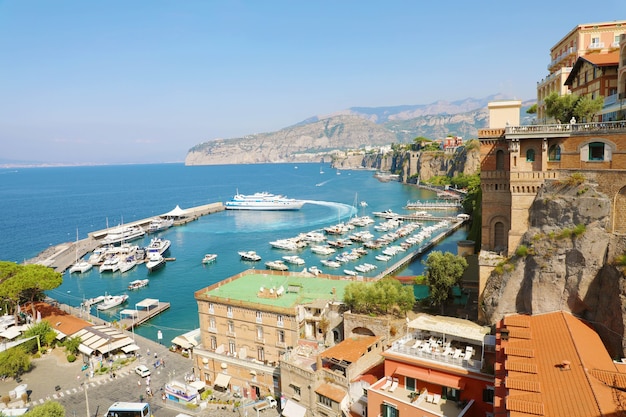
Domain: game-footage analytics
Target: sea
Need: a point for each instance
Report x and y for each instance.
(44, 207)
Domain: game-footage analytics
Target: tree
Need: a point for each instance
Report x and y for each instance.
(44, 331)
(47, 409)
(380, 297)
(14, 362)
(443, 271)
(563, 108)
(71, 344)
(532, 109)
(586, 108)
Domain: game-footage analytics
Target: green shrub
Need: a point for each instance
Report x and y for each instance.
(621, 260)
(71, 358)
(522, 250)
(579, 229)
(575, 179)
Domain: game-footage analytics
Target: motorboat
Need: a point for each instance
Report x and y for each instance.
(158, 224)
(315, 270)
(93, 301)
(249, 256)
(277, 265)
(387, 214)
(322, 250)
(263, 201)
(350, 272)
(127, 264)
(294, 259)
(155, 261)
(383, 258)
(80, 267)
(110, 264)
(330, 263)
(208, 258)
(123, 234)
(285, 244)
(111, 301)
(158, 245)
(138, 283)
(97, 256)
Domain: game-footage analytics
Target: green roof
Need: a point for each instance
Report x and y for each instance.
(297, 289)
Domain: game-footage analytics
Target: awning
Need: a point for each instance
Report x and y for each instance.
(115, 344)
(426, 375)
(182, 342)
(293, 409)
(84, 349)
(222, 380)
(11, 333)
(130, 348)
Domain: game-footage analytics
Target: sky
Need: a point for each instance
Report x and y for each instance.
(143, 81)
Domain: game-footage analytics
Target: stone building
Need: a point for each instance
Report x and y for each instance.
(249, 320)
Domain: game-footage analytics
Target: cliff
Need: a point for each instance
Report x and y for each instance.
(566, 261)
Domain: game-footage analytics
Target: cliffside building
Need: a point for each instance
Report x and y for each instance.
(587, 40)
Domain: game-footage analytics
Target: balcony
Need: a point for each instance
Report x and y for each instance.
(450, 352)
(212, 329)
(596, 45)
(564, 129)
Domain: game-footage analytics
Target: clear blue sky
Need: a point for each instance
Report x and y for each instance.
(145, 80)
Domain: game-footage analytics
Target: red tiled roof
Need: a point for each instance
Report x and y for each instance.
(611, 58)
(58, 319)
(569, 373)
(351, 349)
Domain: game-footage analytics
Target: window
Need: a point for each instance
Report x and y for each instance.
(211, 308)
(231, 327)
(231, 347)
(213, 342)
(259, 332)
(499, 237)
(279, 321)
(409, 383)
(281, 336)
(451, 394)
(259, 317)
(500, 160)
(212, 323)
(488, 395)
(530, 155)
(296, 389)
(388, 410)
(229, 311)
(321, 399)
(554, 153)
(260, 353)
(596, 151)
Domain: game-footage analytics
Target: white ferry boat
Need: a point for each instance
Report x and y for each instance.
(263, 201)
(123, 234)
(158, 224)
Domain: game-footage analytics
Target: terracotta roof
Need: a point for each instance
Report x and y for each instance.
(611, 58)
(58, 319)
(331, 391)
(373, 374)
(561, 370)
(351, 349)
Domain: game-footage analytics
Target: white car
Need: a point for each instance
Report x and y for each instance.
(142, 370)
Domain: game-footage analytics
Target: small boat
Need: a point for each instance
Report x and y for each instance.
(294, 259)
(208, 258)
(110, 264)
(155, 261)
(322, 250)
(80, 267)
(249, 256)
(277, 265)
(349, 272)
(92, 301)
(387, 214)
(111, 301)
(315, 270)
(383, 258)
(138, 283)
(330, 263)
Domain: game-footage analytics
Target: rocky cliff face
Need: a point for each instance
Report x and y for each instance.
(565, 262)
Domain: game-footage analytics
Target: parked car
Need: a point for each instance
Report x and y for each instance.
(142, 370)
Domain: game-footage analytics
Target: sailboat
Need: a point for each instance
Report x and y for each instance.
(80, 266)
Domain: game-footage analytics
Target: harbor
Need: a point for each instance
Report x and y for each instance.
(143, 311)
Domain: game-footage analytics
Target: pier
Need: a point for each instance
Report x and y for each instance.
(144, 311)
(415, 254)
(62, 256)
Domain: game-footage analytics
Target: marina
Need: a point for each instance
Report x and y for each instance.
(143, 311)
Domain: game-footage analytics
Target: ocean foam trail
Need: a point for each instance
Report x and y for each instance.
(344, 209)
(319, 184)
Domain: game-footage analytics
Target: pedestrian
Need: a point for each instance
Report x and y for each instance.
(148, 380)
(155, 355)
(138, 383)
(163, 397)
(148, 351)
(163, 363)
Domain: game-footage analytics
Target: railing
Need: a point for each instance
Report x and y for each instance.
(597, 45)
(567, 128)
(400, 347)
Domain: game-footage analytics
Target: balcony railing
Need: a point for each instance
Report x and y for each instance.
(407, 345)
(566, 128)
(596, 45)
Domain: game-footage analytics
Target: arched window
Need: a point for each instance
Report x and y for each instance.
(500, 160)
(499, 237)
(554, 153)
(530, 155)
(596, 151)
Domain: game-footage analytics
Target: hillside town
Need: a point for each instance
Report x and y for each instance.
(529, 341)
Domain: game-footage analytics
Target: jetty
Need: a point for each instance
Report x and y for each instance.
(410, 256)
(62, 256)
(433, 205)
(143, 311)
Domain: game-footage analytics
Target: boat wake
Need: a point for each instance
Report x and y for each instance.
(319, 184)
(344, 210)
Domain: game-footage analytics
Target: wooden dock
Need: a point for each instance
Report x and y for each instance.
(143, 311)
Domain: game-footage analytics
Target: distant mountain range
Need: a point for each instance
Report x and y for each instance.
(319, 137)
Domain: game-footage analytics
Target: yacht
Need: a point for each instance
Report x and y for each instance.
(263, 201)
(110, 264)
(81, 267)
(155, 261)
(127, 264)
(111, 301)
(330, 263)
(285, 244)
(158, 245)
(277, 265)
(123, 234)
(249, 255)
(322, 250)
(387, 214)
(294, 259)
(158, 224)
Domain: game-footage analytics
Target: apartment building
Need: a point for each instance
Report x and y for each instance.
(443, 366)
(249, 320)
(555, 365)
(582, 40)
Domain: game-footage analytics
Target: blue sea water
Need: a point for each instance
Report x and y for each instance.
(43, 207)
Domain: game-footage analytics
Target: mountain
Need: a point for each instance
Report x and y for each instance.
(320, 137)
